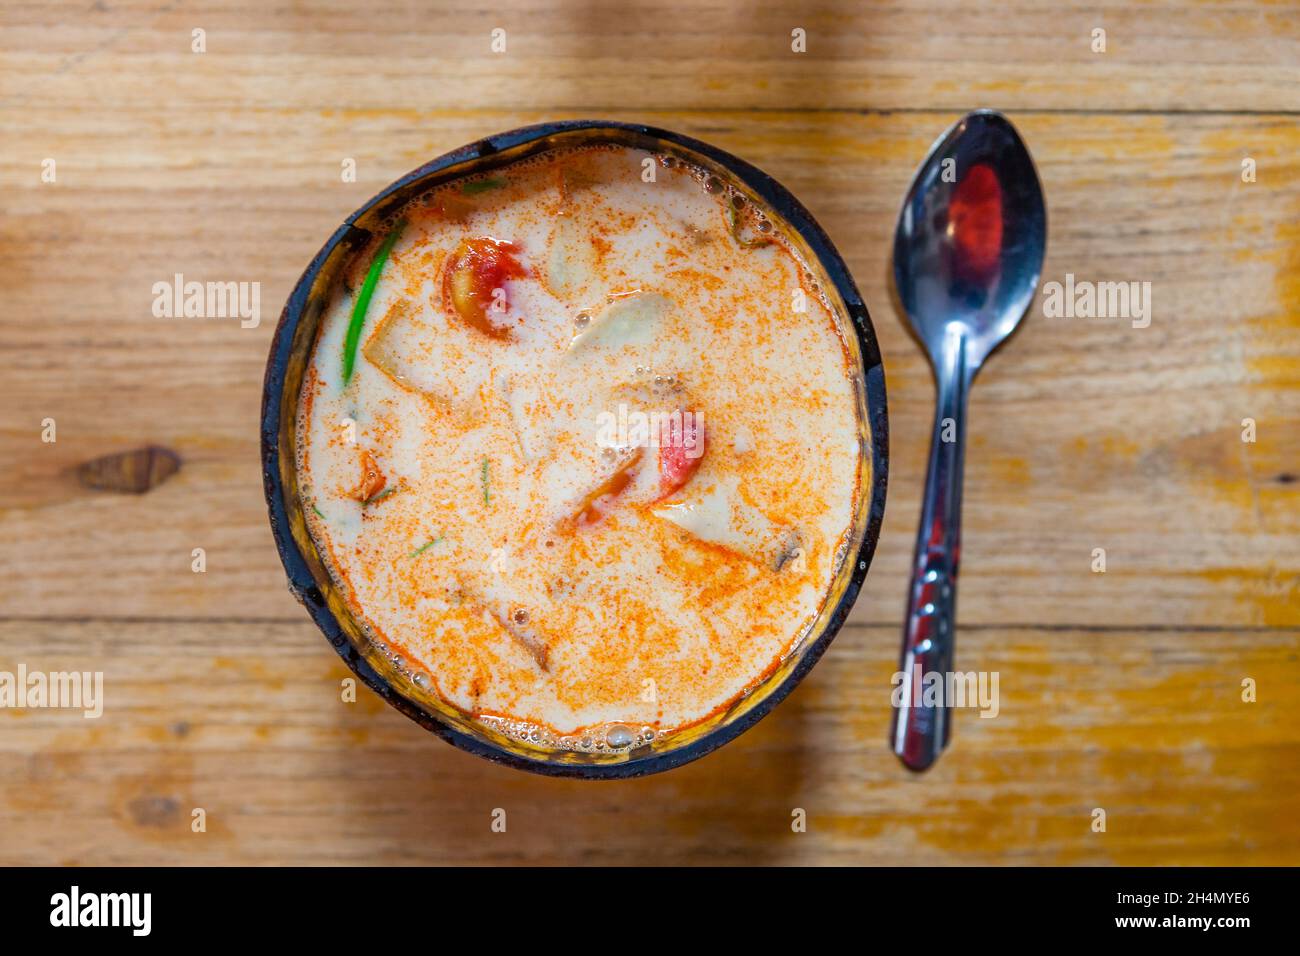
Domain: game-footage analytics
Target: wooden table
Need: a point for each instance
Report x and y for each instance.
(1120, 691)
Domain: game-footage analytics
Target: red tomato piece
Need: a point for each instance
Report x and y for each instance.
(681, 449)
(474, 273)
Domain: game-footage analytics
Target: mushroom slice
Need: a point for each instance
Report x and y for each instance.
(411, 351)
(633, 319)
(571, 259)
(514, 621)
(511, 609)
(717, 514)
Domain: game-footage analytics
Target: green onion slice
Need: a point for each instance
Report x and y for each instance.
(359, 307)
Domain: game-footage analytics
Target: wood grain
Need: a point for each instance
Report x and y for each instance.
(672, 54)
(244, 719)
(1120, 690)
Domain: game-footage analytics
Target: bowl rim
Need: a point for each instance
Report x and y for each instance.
(303, 585)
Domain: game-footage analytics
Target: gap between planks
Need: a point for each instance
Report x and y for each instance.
(850, 626)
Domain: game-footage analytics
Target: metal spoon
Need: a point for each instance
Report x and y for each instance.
(967, 257)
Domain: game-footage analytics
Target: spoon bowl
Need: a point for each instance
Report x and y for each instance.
(959, 261)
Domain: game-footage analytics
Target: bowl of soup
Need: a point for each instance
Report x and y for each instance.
(574, 444)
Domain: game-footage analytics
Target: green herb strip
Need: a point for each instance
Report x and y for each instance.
(382, 495)
(425, 547)
(362, 303)
(487, 484)
(481, 186)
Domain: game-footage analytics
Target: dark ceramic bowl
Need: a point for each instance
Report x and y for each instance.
(310, 582)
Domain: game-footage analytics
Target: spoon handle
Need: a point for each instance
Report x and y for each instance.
(920, 729)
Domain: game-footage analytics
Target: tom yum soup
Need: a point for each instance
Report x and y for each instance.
(581, 447)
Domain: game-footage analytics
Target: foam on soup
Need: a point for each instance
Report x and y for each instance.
(595, 464)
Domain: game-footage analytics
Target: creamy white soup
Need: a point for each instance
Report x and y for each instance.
(579, 442)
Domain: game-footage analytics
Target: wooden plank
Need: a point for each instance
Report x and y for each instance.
(1084, 434)
(675, 54)
(245, 720)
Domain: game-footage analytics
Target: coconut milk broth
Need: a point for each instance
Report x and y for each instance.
(489, 562)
